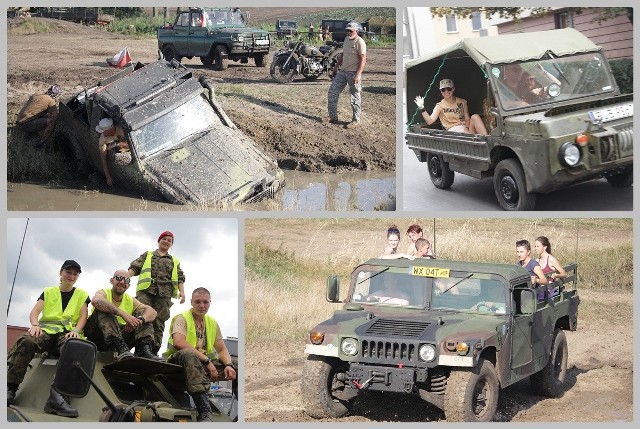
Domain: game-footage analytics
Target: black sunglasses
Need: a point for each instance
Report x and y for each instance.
(446, 89)
(124, 279)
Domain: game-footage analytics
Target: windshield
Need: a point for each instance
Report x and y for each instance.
(379, 285)
(168, 130)
(468, 293)
(223, 17)
(539, 82)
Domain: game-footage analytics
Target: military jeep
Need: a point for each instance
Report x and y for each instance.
(107, 390)
(576, 127)
(182, 147)
(455, 335)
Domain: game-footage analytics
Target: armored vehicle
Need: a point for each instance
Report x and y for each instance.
(216, 35)
(286, 28)
(573, 127)
(103, 389)
(182, 147)
(455, 333)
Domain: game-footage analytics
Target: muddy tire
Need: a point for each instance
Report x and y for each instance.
(623, 180)
(207, 61)
(73, 153)
(220, 58)
(441, 176)
(472, 394)
(324, 392)
(510, 186)
(549, 381)
(260, 60)
(122, 158)
(169, 53)
(281, 74)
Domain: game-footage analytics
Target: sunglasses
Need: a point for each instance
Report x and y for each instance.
(446, 89)
(124, 279)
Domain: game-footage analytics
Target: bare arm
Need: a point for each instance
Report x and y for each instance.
(35, 330)
(553, 263)
(101, 303)
(363, 61)
(542, 279)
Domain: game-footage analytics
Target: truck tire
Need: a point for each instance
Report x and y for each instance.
(281, 74)
(623, 180)
(260, 60)
(207, 61)
(73, 153)
(549, 381)
(324, 392)
(169, 53)
(441, 176)
(471, 394)
(510, 186)
(220, 57)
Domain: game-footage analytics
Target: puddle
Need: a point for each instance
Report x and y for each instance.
(358, 191)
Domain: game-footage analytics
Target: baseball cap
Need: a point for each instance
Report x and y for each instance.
(70, 263)
(165, 234)
(104, 124)
(352, 26)
(446, 83)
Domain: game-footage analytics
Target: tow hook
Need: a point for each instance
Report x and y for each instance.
(362, 385)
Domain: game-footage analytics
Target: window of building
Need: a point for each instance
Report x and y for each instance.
(564, 20)
(452, 23)
(476, 21)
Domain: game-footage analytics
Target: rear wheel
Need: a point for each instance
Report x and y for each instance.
(220, 57)
(260, 60)
(169, 53)
(208, 60)
(472, 394)
(439, 172)
(281, 73)
(510, 186)
(550, 379)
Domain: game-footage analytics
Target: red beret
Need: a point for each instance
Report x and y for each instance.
(164, 234)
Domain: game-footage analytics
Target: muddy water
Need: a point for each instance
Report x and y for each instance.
(359, 191)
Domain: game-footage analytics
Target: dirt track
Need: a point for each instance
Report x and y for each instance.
(284, 119)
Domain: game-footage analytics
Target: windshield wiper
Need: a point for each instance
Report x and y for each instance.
(456, 283)
(373, 275)
(195, 133)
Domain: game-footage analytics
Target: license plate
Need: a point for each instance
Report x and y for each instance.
(430, 272)
(262, 42)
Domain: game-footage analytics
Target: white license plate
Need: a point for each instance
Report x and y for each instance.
(262, 42)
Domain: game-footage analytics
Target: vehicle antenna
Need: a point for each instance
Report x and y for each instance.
(17, 265)
(577, 239)
(434, 236)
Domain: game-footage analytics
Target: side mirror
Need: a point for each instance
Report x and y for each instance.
(333, 288)
(75, 368)
(527, 301)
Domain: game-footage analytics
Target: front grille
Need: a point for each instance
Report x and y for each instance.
(625, 140)
(397, 328)
(389, 352)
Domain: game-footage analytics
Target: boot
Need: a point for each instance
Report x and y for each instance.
(120, 347)
(57, 404)
(144, 350)
(203, 407)
(11, 393)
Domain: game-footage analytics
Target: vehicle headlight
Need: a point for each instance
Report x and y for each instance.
(569, 154)
(349, 346)
(427, 352)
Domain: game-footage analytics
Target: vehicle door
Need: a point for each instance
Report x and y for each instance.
(198, 35)
(181, 30)
(521, 331)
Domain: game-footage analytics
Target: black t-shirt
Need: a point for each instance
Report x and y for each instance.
(66, 297)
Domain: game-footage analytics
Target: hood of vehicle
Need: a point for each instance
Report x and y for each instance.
(220, 166)
(243, 31)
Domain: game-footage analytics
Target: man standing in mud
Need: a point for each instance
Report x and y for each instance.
(39, 114)
(64, 314)
(118, 320)
(348, 71)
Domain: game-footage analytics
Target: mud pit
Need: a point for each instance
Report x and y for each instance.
(285, 120)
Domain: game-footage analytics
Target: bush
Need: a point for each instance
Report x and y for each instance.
(623, 73)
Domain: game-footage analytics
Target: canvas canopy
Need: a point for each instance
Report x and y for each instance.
(464, 62)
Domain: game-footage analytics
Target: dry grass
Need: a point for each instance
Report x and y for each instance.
(288, 260)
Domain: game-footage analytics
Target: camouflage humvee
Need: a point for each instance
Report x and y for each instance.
(454, 334)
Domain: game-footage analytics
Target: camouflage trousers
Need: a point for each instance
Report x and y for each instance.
(342, 79)
(25, 349)
(101, 326)
(195, 375)
(162, 305)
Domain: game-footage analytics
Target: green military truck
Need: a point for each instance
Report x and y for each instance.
(215, 35)
(577, 127)
(454, 333)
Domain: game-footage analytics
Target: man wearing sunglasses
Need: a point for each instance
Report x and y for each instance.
(348, 71)
(118, 321)
(452, 111)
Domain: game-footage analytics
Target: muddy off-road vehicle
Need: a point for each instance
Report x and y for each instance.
(454, 333)
(182, 147)
(216, 35)
(575, 126)
(103, 389)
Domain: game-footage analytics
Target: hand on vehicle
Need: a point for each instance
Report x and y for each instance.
(419, 101)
